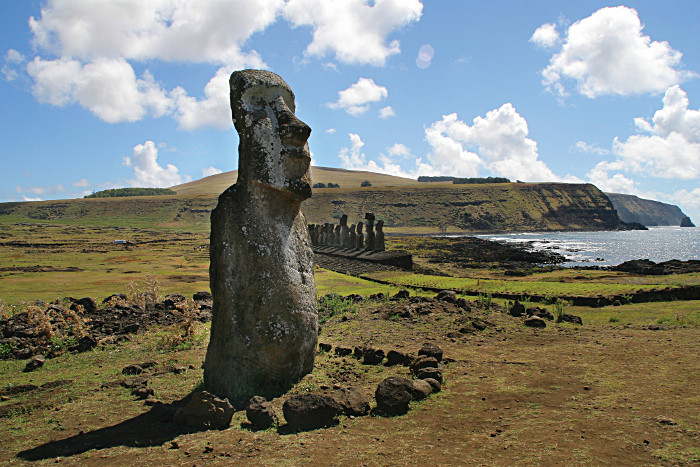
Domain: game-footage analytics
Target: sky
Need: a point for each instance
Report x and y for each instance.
(98, 94)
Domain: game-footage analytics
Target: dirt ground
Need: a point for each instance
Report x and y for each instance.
(512, 395)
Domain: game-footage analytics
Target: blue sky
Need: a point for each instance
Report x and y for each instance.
(109, 93)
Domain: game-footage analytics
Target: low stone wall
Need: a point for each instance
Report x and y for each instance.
(396, 258)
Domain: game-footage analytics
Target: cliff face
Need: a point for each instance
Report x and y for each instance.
(631, 208)
(495, 207)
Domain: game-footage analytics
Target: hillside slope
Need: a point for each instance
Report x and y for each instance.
(404, 204)
(647, 212)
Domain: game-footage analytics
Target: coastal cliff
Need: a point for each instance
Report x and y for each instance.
(647, 212)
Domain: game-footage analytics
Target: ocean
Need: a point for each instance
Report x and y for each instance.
(612, 248)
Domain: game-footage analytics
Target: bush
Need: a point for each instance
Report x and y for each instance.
(334, 305)
(366, 183)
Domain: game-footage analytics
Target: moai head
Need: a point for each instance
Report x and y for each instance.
(344, 220)
(273, 150)
(380, 225)
(352, 228)
(370, 218)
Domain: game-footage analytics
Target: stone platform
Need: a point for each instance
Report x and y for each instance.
(397, 258)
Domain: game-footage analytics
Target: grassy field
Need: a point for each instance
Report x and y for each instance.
(622, 389)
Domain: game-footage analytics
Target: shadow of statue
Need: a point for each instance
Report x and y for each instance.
(152, 428)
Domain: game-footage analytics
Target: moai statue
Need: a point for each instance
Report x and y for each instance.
(360, 237)
(352, 237)
(379, 237)
(370, 231)
(336, 236)
(264, 328)
(312, 233)
(344, 231)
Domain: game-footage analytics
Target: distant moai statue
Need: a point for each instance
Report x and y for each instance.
(327, 234)
(370, 231)
(344, 231)
(379, 237)
(360, 236)
(352, 237)
(336, 237)
(264, 329)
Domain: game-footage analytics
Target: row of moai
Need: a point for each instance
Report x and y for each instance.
(350, 237)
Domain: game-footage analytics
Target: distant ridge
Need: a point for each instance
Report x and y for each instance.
(216, 184)
(647, 212)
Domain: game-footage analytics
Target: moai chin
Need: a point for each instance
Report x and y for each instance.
(265, 314)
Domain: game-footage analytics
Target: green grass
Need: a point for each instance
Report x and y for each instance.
(473, 286)
(684, 313)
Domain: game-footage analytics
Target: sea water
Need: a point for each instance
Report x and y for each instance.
(612, 248)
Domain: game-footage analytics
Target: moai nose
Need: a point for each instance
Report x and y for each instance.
(293, 131)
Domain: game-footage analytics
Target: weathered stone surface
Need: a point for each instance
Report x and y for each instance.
(517, 309)
(353, 402)
(310, 411)
(421, 389)
(535, 322)
(423, 361)
(437, 387)
(571, 319)
(372, 356)
(260, 413)
(431, 350)
(87, 304)
(394, 357)
(447, 296)
(369, 243)
(265, 313)
(205, 411)
(34, 363)
(379, 244)
(393, 395)
(433, 373)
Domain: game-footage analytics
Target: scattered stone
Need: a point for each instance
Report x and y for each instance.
(479, 324)
(447, 296)
(535, 322)
(114, 297)
(663, 420)
(132, 370)
(517, 309)
(377, 296)
(435, 384)
(463, 304)
(421, 362)
(323, 347)
(261, 414)
(372, 356)
(421, 389)
(205, 411)
(393, 396)
(539, 312)
(394, 357)
(142, 392)
(88, 305)
(433, 373)
(570, 319)
(265, 327)
(401, 295)
(171, 301)
(85, 344)
(202, 297)
(343, 351)
(358, 352)
(310, 411)
(34, 363)
(353, 402)
(431, 350)
(355, 298)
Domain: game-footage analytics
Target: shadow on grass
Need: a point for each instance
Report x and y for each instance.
(152, 428)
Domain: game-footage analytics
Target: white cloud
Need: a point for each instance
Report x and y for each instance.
(618, 183)
(691, 198)
(147, 172)
(208, 171)
(29, 198)
(425, 56)
(330, 131)
(41, 190)
(546, 36)
(500, 138)
(95, 42)
(582, 146)
(672, 147)
(386, 112)
(355, 100)
(173, 30)
(82, 183)
(107, 87)
(353, 158)
(9, 70)
(398, 149)
(355, 30)
(607, 53)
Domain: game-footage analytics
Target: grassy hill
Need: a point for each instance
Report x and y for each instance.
(647, 212)
(404, 204)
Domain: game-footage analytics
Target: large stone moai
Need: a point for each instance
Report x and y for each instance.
(344, 231)
(379, 244)
(360, 236)
(369, 245)
(265, 314)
